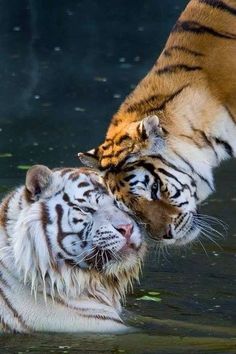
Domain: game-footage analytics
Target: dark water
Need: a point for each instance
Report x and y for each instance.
(65, 66)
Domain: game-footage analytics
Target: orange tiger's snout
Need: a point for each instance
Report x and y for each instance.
(156, 215)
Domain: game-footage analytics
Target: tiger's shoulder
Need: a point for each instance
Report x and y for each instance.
(199, 52)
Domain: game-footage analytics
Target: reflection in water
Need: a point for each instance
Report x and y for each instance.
(60, 85)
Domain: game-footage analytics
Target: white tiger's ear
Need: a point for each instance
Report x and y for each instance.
(150, 126)
(89, 159)
(38, 178)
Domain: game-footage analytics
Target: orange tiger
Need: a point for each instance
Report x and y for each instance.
(177, 125)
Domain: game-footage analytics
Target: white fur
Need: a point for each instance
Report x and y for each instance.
(48, 294)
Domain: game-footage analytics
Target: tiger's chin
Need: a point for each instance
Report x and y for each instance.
(127, 260)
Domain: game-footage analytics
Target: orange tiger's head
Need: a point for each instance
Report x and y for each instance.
(147, 177)
(140, 138)
(163, 196)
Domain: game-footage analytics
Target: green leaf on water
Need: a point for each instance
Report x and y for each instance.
(23, 167)
(153, 293)
(5, 154)
(149, 298)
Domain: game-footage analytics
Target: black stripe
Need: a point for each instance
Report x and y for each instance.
(194, 171)
(108, 156)
(82, 313)
(139, 105)
(106, 145)
(206, 139)
(167, 163)
(198, 28)
(176, 195)
(171, 97)
(83, 184)
(66, 197)
(122, 138)
(60, 233)
(181, 204)
(186, 221)
(119, 152)
(64, 171)
(87, 231)
(142, 132)
(131, 184)
(116, 168)
(220, 5)
(79, 200)
(128, 178)
(13, 310)
(88, 192)
(46, 220)
(226, 146)
(168, 174)
(167, 100)
(147, 166)
(116, 154)
(192, 140)
(170, 69)
(168, 51)
(213, 148)
(4, 210)
(3, 280)
(230, 114)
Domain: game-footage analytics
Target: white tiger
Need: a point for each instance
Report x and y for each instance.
(67, 254)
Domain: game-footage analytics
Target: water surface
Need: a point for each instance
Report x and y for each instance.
(65, 67)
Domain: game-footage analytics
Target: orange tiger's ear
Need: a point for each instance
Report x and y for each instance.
(89, 159)
(38, 178)
(150, 127)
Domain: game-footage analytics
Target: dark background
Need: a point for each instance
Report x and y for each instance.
(65, 67)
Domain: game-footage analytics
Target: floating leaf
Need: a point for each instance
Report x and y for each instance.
(100, 79)
(23, 167)
(5, 154)
(149, 298)
(153, 293)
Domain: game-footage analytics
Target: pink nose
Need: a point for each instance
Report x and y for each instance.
(125, 229)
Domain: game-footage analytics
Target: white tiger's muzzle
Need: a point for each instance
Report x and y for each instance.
(116, 239)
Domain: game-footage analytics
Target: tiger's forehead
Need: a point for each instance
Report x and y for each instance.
(113, 152)
(80, 179)
(117, 147)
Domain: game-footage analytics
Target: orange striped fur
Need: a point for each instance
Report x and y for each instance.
(183, 111)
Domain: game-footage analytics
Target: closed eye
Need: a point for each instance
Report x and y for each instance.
(85, 210)
(88, 210)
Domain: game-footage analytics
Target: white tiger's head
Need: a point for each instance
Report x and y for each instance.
(68, 219)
